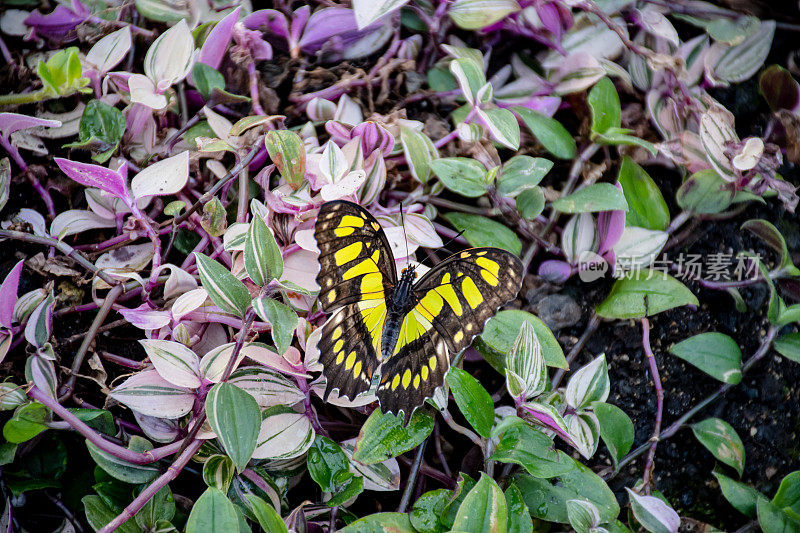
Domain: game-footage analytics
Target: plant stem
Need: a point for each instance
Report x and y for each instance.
(139, 458)
(68, 388)
(145, 496)
(23, 98)
(649, 466)
(458, 428)
(412, 478)
(62, 247)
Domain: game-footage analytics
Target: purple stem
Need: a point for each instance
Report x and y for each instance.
(6, 53)
(145, 496)
(17, 157)
(251, 71)
(139, 458)
(649, 465)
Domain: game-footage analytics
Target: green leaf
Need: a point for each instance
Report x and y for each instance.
(645, 293)
(473, 400)
(522, 172)
(101, 128)
(770, 235)
(218, 471)
(620, 136)
(98, 514)
(282, 319)
(326, 460)
(741, 496)
(529, 447)
(482, 231)
(501, 330)
(121, 469)
(705, 192)
(287, 151)
(206, 79)
(502, 125)
(461, 175)
(788, 346)
(381, 523)
(262, 256)
(212, 511)
(788, 495)
(426, 514)
(604, 103)
(530, 203)
(224, 289)
(383, 436)
(554, 137)
(596, 197)
(235, 417)
(477, 14)
(772, 519)
(616, 429)
(268, 518)
(470, 76)
(722, 441)
(348, 486)
(419, 151)
(28, 421)
(483, 510)
(519, 517)
(548, 501)
(159, 507)
(646, 205)
(714, 353)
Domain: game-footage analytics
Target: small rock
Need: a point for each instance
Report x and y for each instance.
(558, 311)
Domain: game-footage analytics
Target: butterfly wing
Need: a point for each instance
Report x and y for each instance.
(356, 272)
(453, 302)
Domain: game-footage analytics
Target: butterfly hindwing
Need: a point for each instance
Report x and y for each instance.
(355, 259)
(348, 346)
(462, 292)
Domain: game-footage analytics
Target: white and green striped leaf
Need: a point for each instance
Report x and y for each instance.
(281, 318)
(174, 362)
(419, 151)
(227, 292)
(262, 257)
(284, 436)
(268, 387)
(150, 394)
(235, 417)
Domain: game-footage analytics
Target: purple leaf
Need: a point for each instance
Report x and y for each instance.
(114, 183)
(373, 137)
(555, 271)
(217, 42)
(56, 25)
(11, 122)
(268, 20)
(610, 225)
(144, 317)
(8, 295)
(332, 22)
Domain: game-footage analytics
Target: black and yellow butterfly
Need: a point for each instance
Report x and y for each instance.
(408, 331)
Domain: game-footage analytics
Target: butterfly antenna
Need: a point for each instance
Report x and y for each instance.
(445, 245)
(405, 235)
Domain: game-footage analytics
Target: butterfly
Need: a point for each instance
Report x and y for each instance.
(406, 331)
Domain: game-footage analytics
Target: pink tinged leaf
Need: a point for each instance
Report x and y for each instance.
(145, 92)
(42, 372)
(299, 21)
(331, 22)
(78, 220)
(421, 231)
(40, 323)
(8, 295)
(373, 137)
(345, 187)
(653, 512)
(11, 122)
(114, 183)
(263, 355)
(610, 225)
(5, 343)
(143, 317)
(150, 394)
(55, 25)
(555, 271)
(546, 105)
(174, 362)
(543, 415)
(157, 429)
(213, 50)
(165, 177)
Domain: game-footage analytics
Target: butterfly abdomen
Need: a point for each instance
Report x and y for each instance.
(398, 304)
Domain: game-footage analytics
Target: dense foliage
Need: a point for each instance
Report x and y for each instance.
(159, 317)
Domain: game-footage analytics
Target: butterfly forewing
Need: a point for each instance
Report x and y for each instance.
(453, 302)
(356, 272)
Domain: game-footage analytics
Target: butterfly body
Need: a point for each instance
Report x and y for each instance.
(406, 330)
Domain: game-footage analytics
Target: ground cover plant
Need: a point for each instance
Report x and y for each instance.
(163, 165)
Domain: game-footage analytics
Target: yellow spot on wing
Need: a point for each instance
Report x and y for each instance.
(446, 278)
(458, 336)
(343, 232)
(340, 358)
(447, 292)
(432, 363)
(490, 279)
(406, 378)
(416, 381)
(471, 292)
(364, 267)
(351, 359)
(336, 333)
(348, 253)
(357, 369)
(424, 372)
(372, 283)
(350, 220)
(338, 345)
(332, 296)
(431, 304)
(395, 381)
(489, 265)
